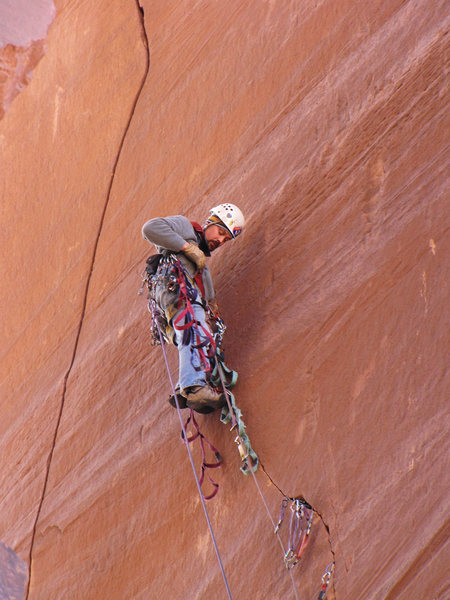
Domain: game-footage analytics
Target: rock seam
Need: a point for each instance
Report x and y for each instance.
(86, 292)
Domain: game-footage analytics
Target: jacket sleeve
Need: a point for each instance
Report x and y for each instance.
(208, 283)
(169, 232)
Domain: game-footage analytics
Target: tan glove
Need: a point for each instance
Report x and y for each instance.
(195, 255)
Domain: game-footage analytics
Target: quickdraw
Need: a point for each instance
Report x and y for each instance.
(326, 577)
(159, 271)
(299, 528)
(284, 504)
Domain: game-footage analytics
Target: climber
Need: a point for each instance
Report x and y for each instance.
(191, 244)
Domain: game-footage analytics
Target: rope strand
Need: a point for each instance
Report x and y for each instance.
(260, 491)
(216, 548)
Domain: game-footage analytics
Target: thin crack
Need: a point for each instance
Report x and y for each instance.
(333, 552)
(144, 38)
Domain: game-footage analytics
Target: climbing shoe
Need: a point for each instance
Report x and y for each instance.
(203, 397)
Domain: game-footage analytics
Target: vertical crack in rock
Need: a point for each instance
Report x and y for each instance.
(333, 553)
(319, 514)
(86, 292)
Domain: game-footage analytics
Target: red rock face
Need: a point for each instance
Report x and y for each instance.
(327, 124)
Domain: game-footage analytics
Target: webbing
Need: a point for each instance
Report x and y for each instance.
(194, 334)
(248, 455)
(205, 464)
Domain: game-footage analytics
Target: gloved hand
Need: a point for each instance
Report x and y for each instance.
(195, 255)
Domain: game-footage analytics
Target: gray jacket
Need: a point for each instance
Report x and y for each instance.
(171, 233)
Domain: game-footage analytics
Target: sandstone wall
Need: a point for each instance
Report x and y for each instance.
(327, 124)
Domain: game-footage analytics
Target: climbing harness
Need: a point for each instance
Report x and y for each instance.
(326, 581)
(299, 528)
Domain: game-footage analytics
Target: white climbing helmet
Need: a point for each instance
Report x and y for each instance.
(231, 216)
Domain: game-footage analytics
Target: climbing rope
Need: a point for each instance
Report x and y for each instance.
(245, 456)
(197, 480)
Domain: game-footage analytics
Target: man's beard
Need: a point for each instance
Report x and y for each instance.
(212, 245)
(203, 245)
